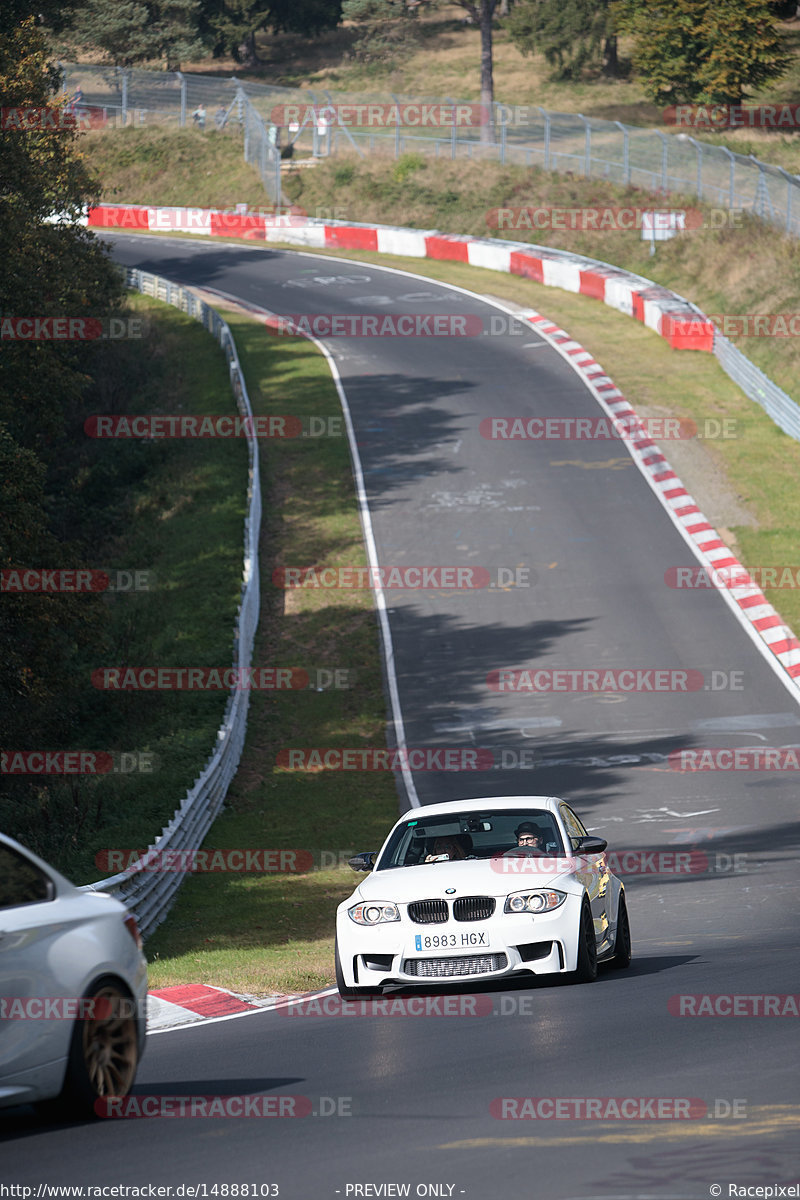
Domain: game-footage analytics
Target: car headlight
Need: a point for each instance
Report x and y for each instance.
(373, 914)
(534, 902)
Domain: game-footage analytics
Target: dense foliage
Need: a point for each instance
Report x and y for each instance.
(703, 51)
(574, 38)
(53, 499)
(172, 32)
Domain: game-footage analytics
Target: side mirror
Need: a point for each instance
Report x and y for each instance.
(590, 845)
(363, 861)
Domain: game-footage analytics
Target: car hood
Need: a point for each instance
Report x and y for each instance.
(483, 877)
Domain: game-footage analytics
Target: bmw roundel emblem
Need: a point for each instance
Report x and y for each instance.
(449, 891)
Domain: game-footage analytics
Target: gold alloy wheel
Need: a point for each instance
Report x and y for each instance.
(110, 1043)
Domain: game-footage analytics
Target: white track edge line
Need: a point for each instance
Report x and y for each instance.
(372, 552)
(792, 686)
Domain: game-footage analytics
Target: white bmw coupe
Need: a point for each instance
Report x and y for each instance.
(504, 886)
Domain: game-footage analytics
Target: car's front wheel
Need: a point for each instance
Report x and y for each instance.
(622, 941)
(586, 971)
(103, 1055)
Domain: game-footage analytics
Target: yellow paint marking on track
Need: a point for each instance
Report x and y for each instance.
(763, 1121)
(609, 464)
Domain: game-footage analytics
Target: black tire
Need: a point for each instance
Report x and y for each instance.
(103, 1055)
(586, 971)
(622, 941)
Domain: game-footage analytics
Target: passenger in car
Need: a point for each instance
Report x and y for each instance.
(453, 846)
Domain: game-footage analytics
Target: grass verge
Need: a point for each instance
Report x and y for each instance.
(273, 933)
(155, 165)
(739, 269)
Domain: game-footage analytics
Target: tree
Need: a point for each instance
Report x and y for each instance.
(387, 28)
(230, 26)
(48, 270)
(39, 635)
(572, 36)
(482, 14)
(703, 51)
(135, 31)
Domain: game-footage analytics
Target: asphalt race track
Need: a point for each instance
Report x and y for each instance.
(402, 1102)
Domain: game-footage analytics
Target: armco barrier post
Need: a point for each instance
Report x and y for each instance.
(791, 183)
(699, 181)
(587, 153)
(546, 116)
(626, 164)
(183, 97)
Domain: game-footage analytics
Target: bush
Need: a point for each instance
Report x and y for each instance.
(343, 174)
(406, 165)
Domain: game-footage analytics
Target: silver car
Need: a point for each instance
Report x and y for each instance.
(73, 989)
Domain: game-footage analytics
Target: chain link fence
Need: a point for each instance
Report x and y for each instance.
(520, 135)
(129, 96)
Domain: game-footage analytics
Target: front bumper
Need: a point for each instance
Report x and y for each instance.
(412, 954)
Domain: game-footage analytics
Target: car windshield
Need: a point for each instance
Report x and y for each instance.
(479, 835)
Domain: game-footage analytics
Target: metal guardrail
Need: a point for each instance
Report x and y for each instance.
(757, 386)
(149, 894)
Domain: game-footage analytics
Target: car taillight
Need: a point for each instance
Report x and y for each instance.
(133, 930)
